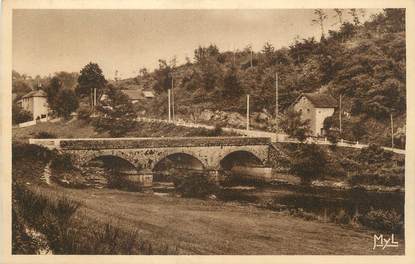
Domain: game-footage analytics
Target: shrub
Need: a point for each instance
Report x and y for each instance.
(386, 220)
(45, 134)
(308, 162)
(374, 154)
(195, 185)
(19, 115)
(62, 163)
(84, 113)
(117, 181)
(31, 151)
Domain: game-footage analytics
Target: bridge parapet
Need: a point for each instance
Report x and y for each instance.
(135, 143)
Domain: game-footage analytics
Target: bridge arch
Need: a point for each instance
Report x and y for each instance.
(89, 156)
(241, 158)
(178, 160)
(113, 162)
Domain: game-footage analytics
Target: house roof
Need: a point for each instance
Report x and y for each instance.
(148, 94)
(320, 100)
(37, 93)
(133, 94)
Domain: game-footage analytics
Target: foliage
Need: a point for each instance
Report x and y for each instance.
(385, 220)
(66, 103)
(45, 134)
(90, 77)
(62, 162)
(294, 126)
(308, 162)
(19, 115)
(374, 154)
(194, 185)
(116, 114)
(163, 76)
(52, 90)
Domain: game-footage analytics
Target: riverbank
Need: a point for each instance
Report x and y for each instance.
(215, 227)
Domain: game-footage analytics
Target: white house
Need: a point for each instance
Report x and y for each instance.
(316, 107)
(36, 103)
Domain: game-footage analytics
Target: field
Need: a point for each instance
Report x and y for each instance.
(214, 227)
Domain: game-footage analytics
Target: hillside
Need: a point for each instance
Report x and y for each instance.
(365, 63)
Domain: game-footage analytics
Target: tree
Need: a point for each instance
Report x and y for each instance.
(294, 126)
(339, 15)
(19, 115)
(52, 90)
(90, 77)
(116, 114)
(319, 20)
(309, 162)
(66, 103)
(163, 76)
(231, 85)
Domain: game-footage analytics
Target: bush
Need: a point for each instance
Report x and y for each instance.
(19, 115)
(117, 181)
(31, 151)
(195, 185)
(385, 220)
(66, 234)
(44, 134)
(374, 154)
(373, 178)
(62, 163)
(309, 162)
(84, 113)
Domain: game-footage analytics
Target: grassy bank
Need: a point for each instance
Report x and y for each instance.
(82, 129)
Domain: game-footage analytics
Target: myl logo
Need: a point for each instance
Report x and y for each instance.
(383, 242)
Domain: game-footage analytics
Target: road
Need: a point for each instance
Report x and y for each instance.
(274, 137)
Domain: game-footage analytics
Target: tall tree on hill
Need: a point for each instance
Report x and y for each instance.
(91, 77)
(231, 85)
(319, 20)
(163, 76)
(339, 15)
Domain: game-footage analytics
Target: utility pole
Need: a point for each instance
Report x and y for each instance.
(340, 115)
(172, 97)
(247, 112)
(251, 56)
(169, 105)
(276, 102)
(392, 128)
(95, 99)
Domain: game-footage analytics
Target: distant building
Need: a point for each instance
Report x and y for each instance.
(36, 103)
(136, 95)
(148, 94)
(316, 107)
(133, 95)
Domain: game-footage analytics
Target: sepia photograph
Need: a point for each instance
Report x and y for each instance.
(193, 131)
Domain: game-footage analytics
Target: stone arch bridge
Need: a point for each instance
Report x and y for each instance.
(145, 153)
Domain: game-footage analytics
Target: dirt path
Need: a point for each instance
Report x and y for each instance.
(214, 227)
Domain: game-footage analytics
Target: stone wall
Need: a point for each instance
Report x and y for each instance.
(92, 144)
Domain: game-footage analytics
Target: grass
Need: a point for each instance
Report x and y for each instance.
(70, 232)
(194, 226)
(81, 129)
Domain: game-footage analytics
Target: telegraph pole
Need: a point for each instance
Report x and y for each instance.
(340, 115)
(169, 105)
(392, 129)
(172, 97)
(247, 112)
(251, 57)
(276, 102)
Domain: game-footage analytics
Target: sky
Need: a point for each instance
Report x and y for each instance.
(48, 41)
